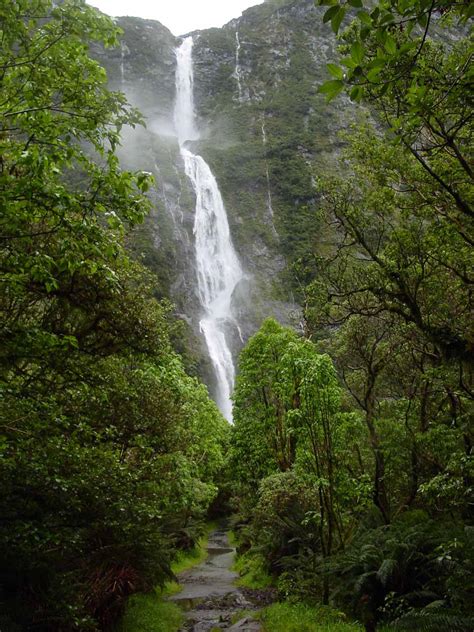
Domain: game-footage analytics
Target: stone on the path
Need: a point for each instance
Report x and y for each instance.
(245, 625)
(209, 596)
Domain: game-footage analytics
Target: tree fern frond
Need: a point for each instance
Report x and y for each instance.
(424, 621)
(386, 571)
(363, 582)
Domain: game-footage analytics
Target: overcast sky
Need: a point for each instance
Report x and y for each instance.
(180, 16)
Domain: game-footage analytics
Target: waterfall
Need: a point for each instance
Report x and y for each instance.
(238, 70)
(122, 65)
(267, 174)
(217, 264)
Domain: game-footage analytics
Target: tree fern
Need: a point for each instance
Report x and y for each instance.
(427, 621)
(387, 570)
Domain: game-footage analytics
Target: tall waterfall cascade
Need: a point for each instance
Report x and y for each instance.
(218, 267)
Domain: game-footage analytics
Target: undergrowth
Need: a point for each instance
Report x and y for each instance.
(151, 612)
(298, 617)
(252, 572)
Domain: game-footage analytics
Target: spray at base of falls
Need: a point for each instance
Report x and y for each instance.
(217, 264)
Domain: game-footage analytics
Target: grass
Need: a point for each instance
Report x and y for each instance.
(241, 614)
(298, 617)
(151, 612)
(251, 571)
(187, 559)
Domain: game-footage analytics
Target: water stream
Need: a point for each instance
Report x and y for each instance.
(218, 267)
(238, 70)
(122, 65)
(267, 174)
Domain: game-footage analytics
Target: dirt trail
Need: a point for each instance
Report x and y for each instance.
(209, 596)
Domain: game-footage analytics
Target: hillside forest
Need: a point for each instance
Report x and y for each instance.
(347, 476)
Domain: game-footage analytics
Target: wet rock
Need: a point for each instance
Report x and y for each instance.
(246, 625)
(260, 597)
(209, 596)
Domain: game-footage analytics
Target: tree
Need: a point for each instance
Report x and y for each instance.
(261, 402)
(64, 213)
(414, 182)
(288, 427)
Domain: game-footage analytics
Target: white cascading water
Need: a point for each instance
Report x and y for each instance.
(238, 70)
(267, 173)
(217, 264)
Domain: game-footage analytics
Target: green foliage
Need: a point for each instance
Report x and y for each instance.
(259, 398)
(288, 426)
(385, 44)
(402, 572)
(109, 451)
(252, 573)
(435, 620)
(398, 233)
(298, 617)
(148, 613)
(339, 515)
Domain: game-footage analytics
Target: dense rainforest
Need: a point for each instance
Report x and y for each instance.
(347, 474)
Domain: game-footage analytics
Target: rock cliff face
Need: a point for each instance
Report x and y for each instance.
(265, 132)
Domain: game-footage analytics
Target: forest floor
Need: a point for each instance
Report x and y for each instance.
(210, 598)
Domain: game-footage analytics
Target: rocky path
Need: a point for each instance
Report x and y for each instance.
(209, 596)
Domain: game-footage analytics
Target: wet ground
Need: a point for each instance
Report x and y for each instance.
(209, 596)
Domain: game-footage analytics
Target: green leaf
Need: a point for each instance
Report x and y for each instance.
(357, 52)
(467, 12)
(387, 18)
(335, 71)
(381, 36)
(356, 93)
(331, 88)
(337, 19)
(365, 18)
(330, 13)
(380, 60)
(390, 45)
(355, 3)
(348, 62)
(373, 73)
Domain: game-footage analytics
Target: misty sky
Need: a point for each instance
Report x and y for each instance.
(180, 16)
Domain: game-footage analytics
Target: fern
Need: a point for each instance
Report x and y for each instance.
(387, 571)
(425, 621)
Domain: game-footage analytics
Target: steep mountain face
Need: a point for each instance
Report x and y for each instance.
(265, 133)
